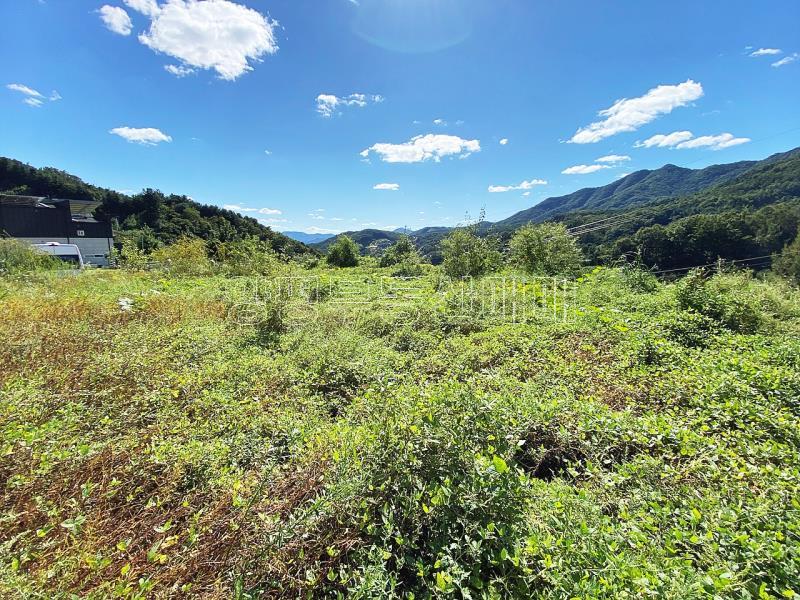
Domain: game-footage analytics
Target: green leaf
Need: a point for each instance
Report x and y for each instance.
(499, 464)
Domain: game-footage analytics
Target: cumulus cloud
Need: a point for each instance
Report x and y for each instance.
(392, 187)
(32, 97)
(147, 136)
(116, 19)
(423, 148)
(629, 114)
(250, 209)
(583, 169)
(613, 158)
(525, 185)
(329, 105)
(146, 7)
(766, 52)
(439, 122)
(665, 140)
(212, 34)
(686, 139)
(786, 60)
(504, 141)
(179, 70)
(715, 142)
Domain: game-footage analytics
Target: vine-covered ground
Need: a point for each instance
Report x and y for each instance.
(207, 437)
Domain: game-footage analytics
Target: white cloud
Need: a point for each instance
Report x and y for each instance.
(715, 142)
(439, 122)
(786, 60)
(213, 34)
(766, 52)
(583, 169)
(685, 139)
(268, 152)
(147, 136)
(32, 97)
(423, 148)
(24, 89)
(249, 209)
(270, 221)
(665, 140)
(116, 19)
(629, 114)
(504, 141)
(525, 185)
(613, 158)
(179, 70)
(328, 105)
(146, 7)
(526, 194)
(393, 187)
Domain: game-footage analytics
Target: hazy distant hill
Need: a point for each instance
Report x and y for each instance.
(308, 238)
(164, 218)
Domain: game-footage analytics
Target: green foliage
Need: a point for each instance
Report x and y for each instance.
(250, 256)
(222, 437)
(187, 256)
(343, 252)
(404, 257)
(467, 255)
(546, 249)
(17, 257)
(787, 263)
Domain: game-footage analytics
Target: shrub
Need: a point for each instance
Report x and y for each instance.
(250, 256)
(787, 263)
(710, 298)
(403, 250)
(467, 255)
(17, 257)
(130, 256)
(343, 252)
(187, 256)
(546, 249)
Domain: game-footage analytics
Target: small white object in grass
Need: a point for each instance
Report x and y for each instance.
(125, 304)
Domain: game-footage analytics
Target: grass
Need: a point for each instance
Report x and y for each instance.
(208, 437)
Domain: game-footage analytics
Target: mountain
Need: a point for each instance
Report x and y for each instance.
(636, 189)
(308, 238)
(151, 216)
(364, 238)
(646, 197)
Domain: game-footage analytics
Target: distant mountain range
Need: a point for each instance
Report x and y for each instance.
(308, 238)
(645, 188)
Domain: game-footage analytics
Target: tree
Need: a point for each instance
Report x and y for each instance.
(343, 252)
(403, 250)
(546, 249)
(787, 263)
(467, 255)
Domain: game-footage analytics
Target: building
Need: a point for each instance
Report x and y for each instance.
(39, 220)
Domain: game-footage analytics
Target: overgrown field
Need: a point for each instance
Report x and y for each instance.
(209, 437)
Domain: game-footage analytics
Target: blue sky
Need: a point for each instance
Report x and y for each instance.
(297, 109)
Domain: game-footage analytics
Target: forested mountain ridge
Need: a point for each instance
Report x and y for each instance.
(153, 217)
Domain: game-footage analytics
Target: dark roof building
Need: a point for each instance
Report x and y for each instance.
(38, 220)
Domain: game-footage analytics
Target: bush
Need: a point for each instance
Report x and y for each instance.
(467, 255)
(187, 256)
(546, 249)
(787, 263)
(403, 250)
(18, 257)
(130, 256)
(250, 256)
(708, 297)
(343, 252)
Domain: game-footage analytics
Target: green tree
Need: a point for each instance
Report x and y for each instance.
(546, 249)
(403, 250)
(466, 254)
(787, 263)
(343, 252)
